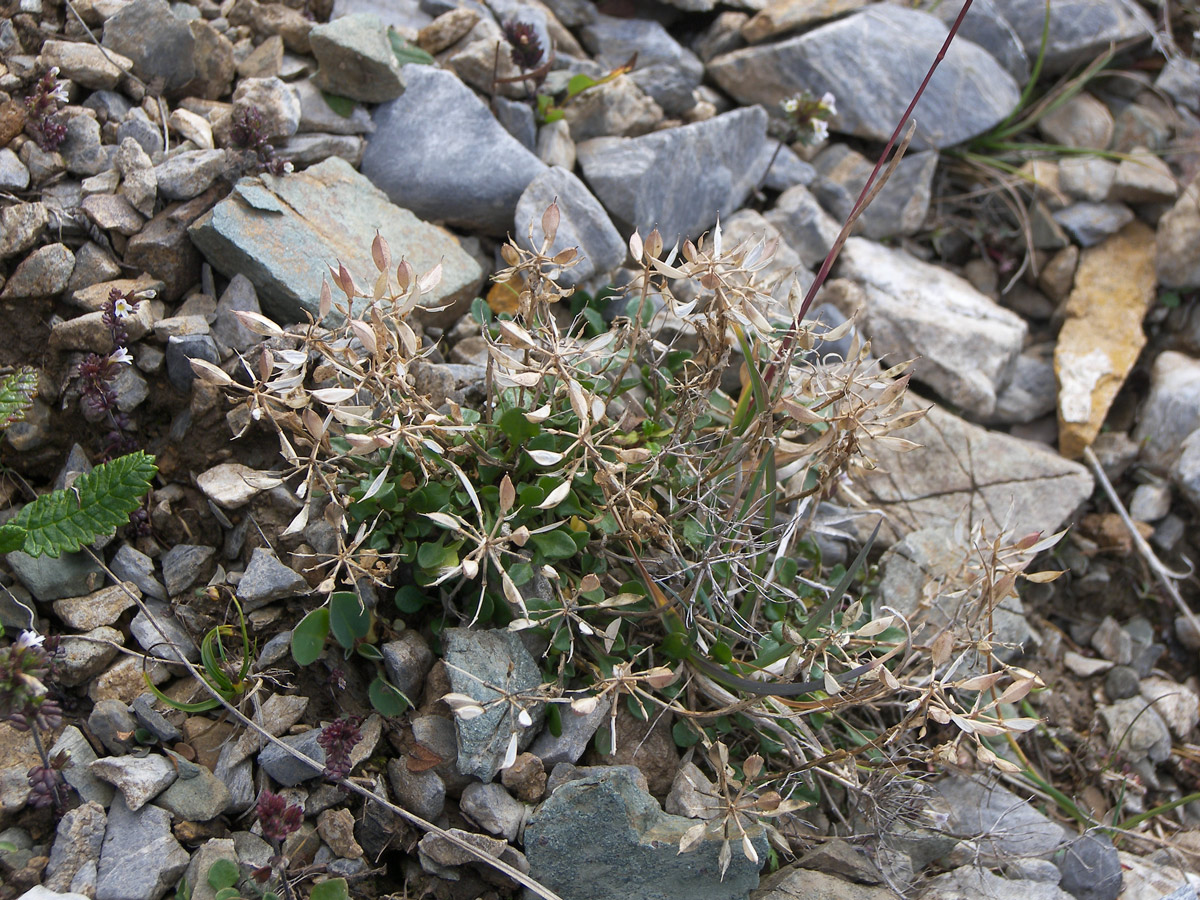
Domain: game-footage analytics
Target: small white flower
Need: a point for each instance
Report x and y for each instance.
(146, 294)
(122, 308)
(790, 105)
(30, 639)
(524, 718)
(53, 73)
(121, 356)
(60, 94)
(820, 130)
(288, 168)
(827, 102)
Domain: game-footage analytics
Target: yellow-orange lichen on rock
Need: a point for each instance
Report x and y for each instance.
(1102, 334)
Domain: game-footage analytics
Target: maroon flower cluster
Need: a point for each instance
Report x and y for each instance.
(526, 46)
(277, 817)
(250, 133)
(41, 111)
(338, 739)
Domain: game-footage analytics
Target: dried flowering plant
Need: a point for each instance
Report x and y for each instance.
(41, 111)
(338, 739)
(808, 117)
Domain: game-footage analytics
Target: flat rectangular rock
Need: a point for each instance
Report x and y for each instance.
(283, 232)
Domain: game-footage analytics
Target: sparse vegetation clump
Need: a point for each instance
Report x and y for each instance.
(602, 492)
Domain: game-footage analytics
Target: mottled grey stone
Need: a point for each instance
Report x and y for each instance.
(13, 174)
(47, 578)
(898, 209)
(1003, 825)
(1136, 730)
(407, 660)
(185, 564)
(197, 795)
(681, 179)
(1180, 78)
(282, 232)
(459, 166)
(665, 70)
(605, 838)
(976, 881)
(160, 44)
(139, 778)
(20, 226)
(1080, 30)
(986, 26)
(1171, 410)
(967, 344)
(82, 150)
(43, 273)
(189, 173)
(78, 773)
(804, 224)
(266, 579)
(1177, 259)
(140, 858)
(77, 841)
(475, 662)
(317, 115)
(176, 641)
(137, 125)
(872, 62)
(421, 793)
(131, 564)
(356, 59)
(583, 224)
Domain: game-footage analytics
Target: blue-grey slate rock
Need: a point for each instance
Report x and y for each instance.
(160, 44)
(986, 26)
(356, 59)
(78, 773)
(137, 125)
(317, 115)
(400, 13)
(131, 564)
(518, 120)
(267, 579)
(47, 578)
(804, 224)
(1010, 827)
(285, 768)
(82, 150)
(1090, 223)
(665, 70)
(181, 350)
(873, 61)
(784, 169)
(282, 233)
(1091, 868)
(140, 858)
(185, 564)
(900, 206)
(583, 224)
(197, 795)
(1080, 30)
(571, 742)
(154, 721)
(421, 793)
(680, 179)
(457, 165)
(176, 641)
(407, 660)
(113, 725)
(481, 664)
(605, 838)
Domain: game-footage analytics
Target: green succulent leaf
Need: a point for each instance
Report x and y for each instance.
(343, 106)
(554, 544)
(99, 503)
(333, 889)
(408, 52)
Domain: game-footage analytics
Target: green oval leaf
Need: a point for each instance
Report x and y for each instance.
(349, 618)
(308, 638)
(410, 599)
(222, 873)
(555, 544)
(386, 697)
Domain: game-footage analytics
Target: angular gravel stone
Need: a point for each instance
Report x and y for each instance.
(176, 641)
(43, 273)
(970, 93)
(267, 579)
(82, 658)
(185, 564)
(77, 842)
(189, 173)
(681, 179)
(20, 226)
(131, 564)
(140, 858)
(139, 778)
(159, 43)
(356, 59)
(1080, 30)
(460, 166)
(583, 224)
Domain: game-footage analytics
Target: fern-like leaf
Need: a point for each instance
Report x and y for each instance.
(16, 395)
(97, 504)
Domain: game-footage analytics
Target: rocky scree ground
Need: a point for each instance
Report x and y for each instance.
(1050, 302)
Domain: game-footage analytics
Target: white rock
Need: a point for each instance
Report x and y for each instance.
(231, 485)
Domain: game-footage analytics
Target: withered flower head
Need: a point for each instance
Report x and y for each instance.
(338, 739)
(527, 49)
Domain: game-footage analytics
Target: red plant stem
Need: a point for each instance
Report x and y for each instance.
(785, 349)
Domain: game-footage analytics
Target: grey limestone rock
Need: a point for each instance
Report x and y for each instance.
(1080, 30)
(968, 345)
(266, 579)
(356, 59)
(681, 179)
(458, 165)
(158, 42)
(872, 61)
(140, 858)
(583, 224)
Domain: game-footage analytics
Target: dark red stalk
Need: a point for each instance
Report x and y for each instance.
(788, 342)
